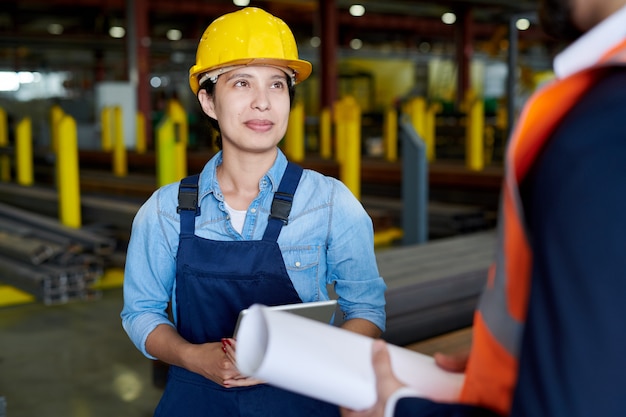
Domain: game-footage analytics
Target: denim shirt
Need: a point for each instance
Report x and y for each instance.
(327, 241)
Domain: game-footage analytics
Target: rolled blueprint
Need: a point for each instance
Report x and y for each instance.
(328, 363)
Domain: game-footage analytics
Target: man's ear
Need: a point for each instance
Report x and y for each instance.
(207, 104)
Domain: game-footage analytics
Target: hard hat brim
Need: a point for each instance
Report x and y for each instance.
(301, 68)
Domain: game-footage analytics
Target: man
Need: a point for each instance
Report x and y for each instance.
(548, 332)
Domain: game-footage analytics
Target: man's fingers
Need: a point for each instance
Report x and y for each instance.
(381, 359)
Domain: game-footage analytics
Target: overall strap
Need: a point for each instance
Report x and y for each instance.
(188, 204)
(281, 204)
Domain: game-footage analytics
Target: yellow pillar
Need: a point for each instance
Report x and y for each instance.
(120, 165)
(294, 137)
(176, 112)
(326, 144)
(166, 152)
(5, 160)
(140, 145)
(67, 167)
(350, 166)
(106, 122)
(474, 140)
(340, 129)
(24, 152)
(430, 130)
(417, 111)
(56, 114)
(390, 134)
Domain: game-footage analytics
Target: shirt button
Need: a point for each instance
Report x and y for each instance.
(253, 210)
(298, 264)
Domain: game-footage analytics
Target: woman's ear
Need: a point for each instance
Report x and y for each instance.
(207, 104)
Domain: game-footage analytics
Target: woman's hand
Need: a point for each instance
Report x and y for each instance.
(228, 347)
(215, 361)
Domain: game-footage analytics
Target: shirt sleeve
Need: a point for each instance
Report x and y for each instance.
(406, 403)
(351, 259)
(149, 275)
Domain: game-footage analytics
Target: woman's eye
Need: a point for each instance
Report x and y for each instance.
(278, 84)
(241, 83)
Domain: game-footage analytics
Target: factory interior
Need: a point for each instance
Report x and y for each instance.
(431, 88)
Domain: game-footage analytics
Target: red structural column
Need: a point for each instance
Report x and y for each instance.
(464, 51)
(328, 56)
(142, 42)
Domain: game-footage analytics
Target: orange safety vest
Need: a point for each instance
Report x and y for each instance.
(491, 372)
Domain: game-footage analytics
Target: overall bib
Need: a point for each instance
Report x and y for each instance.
(214, 281)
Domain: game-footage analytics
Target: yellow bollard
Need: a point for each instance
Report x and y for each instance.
(294, 137)
(181, 155)
(342, 108)
(475, 159)
(24, 152)
(5, 160)
(140, 144)
(326, 124)
(417, 112)
(390, 134)
(67, 168)
(106, 122)
(350, 167)
(120, 165)
(176, 112)
(430, 130)
(474, 141)
(166, 152)
(56, 114)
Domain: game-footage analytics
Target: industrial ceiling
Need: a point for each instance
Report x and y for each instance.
(27, 44)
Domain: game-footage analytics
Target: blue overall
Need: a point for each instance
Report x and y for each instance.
(214, 281)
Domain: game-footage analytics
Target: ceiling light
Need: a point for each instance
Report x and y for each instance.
(155, 82)
(315, 41)
(522, 24)
(357, 10)
(174, 34)
(356, 43)
(117, 32)
(448, 18)
(242, 3)
(55, 29)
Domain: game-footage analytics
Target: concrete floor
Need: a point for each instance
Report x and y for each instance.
(75, 360)
(72, 360)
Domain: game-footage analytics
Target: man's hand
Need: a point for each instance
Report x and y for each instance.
(452, 362)
(386, 382)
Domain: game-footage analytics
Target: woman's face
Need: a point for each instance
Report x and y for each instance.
(251, 105)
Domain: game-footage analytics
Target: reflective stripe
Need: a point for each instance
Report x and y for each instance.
(494, 308)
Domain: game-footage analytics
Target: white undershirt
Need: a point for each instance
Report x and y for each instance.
(237, 217)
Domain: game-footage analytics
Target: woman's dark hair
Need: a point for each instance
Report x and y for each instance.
(209, 86)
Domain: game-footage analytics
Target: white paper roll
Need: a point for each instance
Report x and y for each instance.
(329, 363)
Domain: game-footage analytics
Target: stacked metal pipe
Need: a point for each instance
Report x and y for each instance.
(53, 262)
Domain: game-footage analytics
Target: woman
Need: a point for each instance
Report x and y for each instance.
(250, 228)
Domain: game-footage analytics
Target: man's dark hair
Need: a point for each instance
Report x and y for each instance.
(555, 17)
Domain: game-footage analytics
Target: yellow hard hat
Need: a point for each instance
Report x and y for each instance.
(249, 36)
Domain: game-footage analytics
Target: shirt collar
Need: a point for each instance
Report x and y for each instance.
(275, 174)
(208, 183)
(590, 47)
